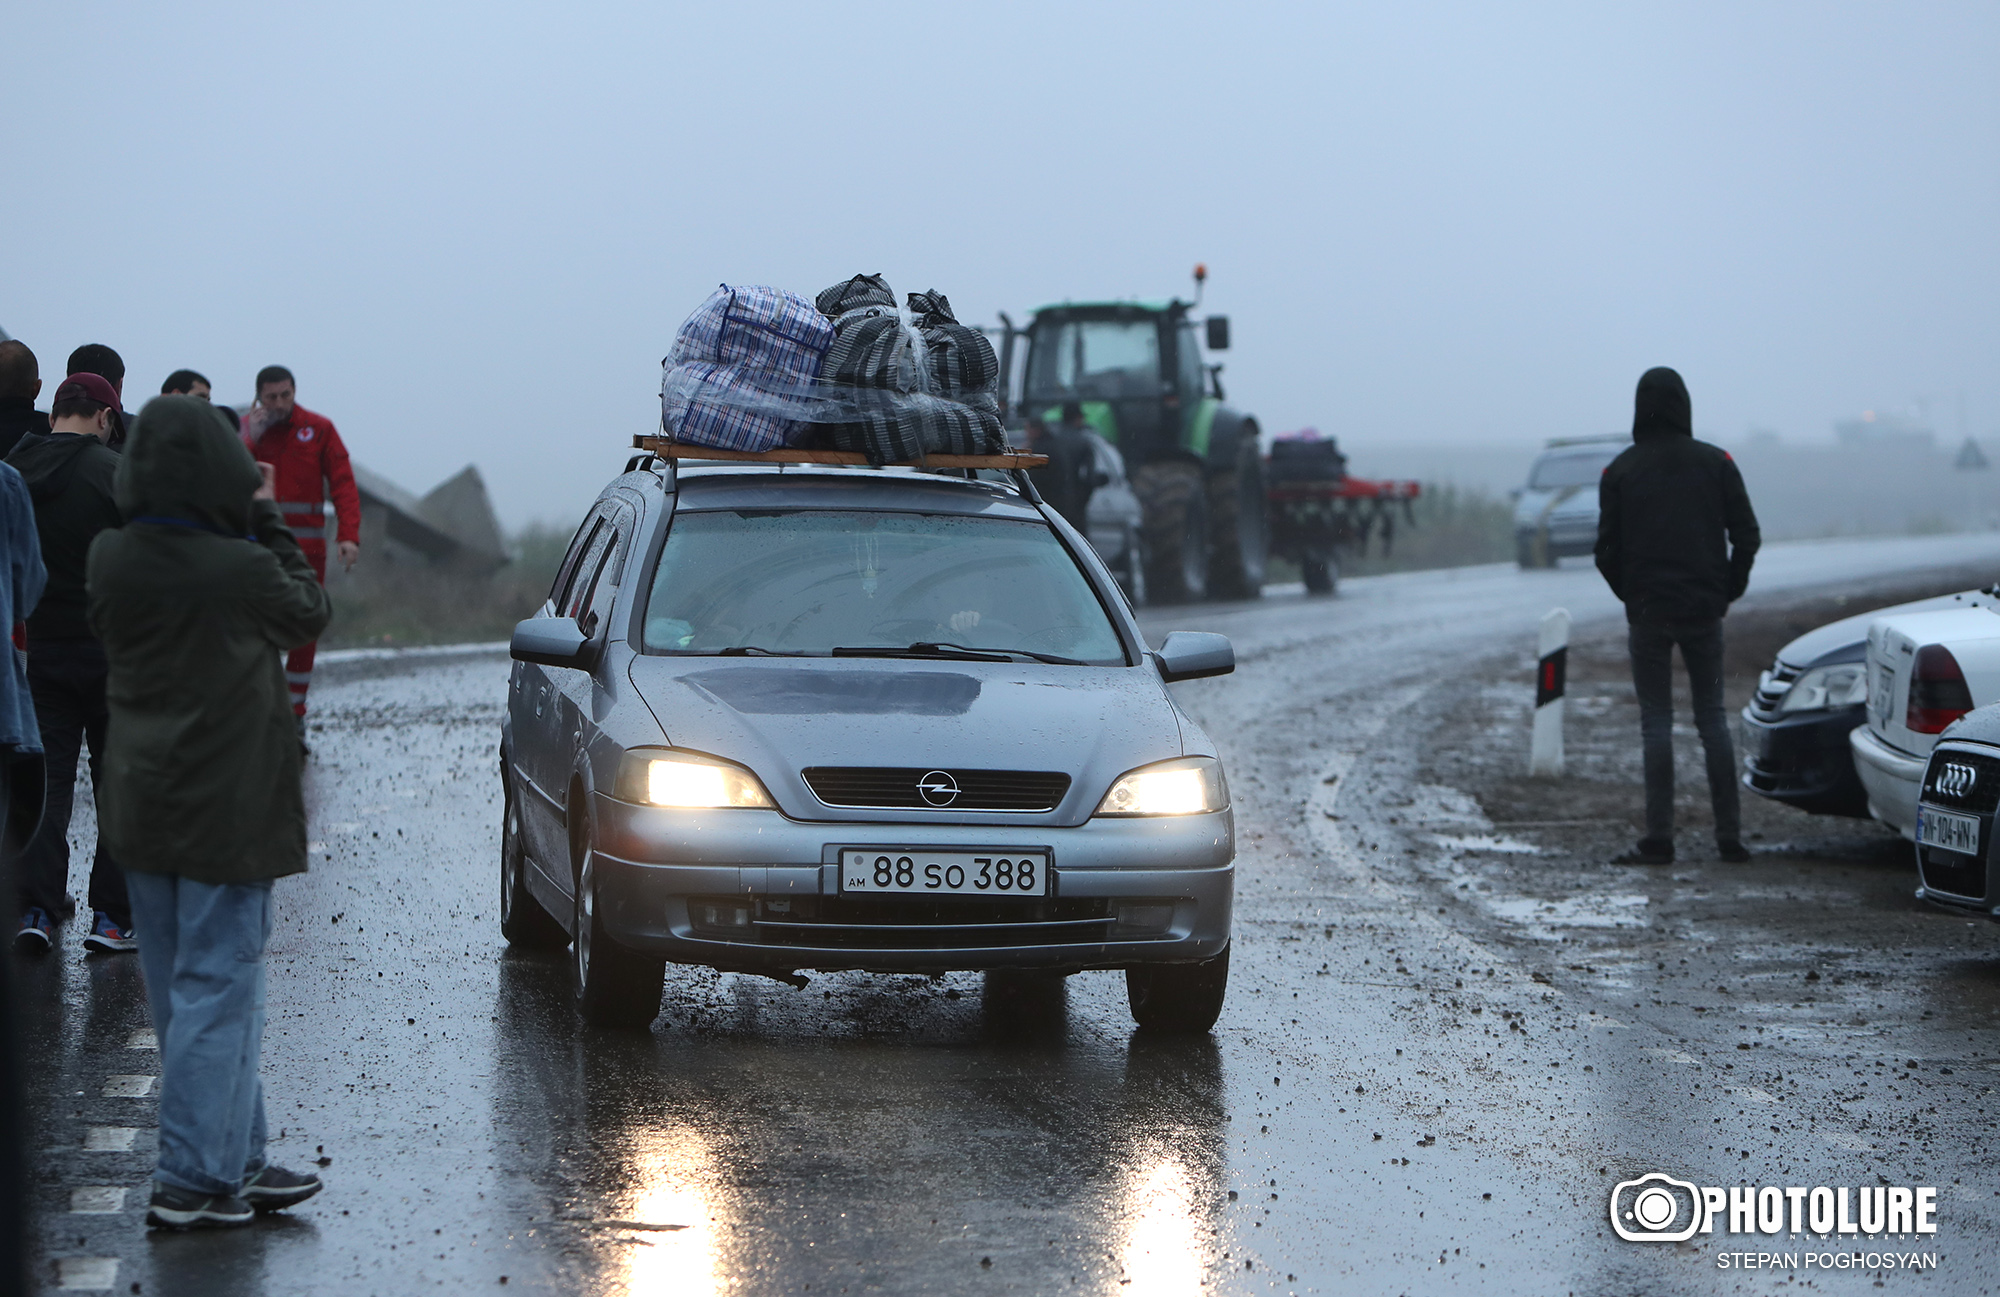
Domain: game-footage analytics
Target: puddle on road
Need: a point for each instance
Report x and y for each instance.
(1541, 917)
(1485, 842)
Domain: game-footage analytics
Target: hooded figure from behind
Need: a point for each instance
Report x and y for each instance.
(1675, 540)
(194, 599)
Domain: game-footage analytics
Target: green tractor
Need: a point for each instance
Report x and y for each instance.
(1136, 372)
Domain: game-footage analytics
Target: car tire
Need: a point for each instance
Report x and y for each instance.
(1178, 999)
(1240, 531)
(523, 921)
(1174, 519)
(1321, 574)
(615, 985)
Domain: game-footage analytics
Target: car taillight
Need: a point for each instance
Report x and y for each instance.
(1938, 695)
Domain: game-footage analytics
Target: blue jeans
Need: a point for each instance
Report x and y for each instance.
(1652, 646)
(201, 947)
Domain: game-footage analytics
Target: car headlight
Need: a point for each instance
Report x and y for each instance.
(1823, 687)
(665, 777)
(1188, 786)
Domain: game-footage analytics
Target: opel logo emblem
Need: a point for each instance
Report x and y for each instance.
(1954, 780)
(938, 788)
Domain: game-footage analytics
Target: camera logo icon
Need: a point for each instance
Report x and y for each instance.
(1655, 1208)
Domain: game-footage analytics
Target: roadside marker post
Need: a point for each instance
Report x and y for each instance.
(1545, 754)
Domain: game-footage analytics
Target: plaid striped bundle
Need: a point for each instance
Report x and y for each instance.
(741, 371)
(896, 404)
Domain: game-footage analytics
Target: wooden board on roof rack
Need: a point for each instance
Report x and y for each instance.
(666, 449)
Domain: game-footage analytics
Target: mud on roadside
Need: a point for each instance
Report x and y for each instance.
(1811, 1009)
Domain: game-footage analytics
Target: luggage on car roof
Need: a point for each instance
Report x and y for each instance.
(741, 370)
(911, 382)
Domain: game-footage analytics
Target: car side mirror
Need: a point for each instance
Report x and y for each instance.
(1194, 654)
(550, 642)
(1218, 333)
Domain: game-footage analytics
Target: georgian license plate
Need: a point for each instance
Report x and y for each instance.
(918, 871)
(1947, 832)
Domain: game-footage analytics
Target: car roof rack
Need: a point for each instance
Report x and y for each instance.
(665, 449)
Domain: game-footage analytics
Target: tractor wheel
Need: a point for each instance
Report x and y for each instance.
(1240, 527)
(1174, 512)
(1321, 573)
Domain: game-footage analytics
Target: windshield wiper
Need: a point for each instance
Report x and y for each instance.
(752, 650)
(957, 652)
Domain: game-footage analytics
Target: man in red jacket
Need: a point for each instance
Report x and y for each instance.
(310, 464)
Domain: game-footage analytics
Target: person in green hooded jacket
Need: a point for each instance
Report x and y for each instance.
(195, 598)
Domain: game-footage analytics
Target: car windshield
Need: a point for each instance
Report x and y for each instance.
(1553, 472)
(811, 582)
(1100, 359)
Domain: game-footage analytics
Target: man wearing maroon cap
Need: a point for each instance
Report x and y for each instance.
(310, 464)
(68, 470)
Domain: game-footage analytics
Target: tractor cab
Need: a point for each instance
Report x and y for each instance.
(1136, 373)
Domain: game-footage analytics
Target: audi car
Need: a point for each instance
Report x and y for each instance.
(1955, 811)
(1796, 726)
(785, 718)
(1925, 670)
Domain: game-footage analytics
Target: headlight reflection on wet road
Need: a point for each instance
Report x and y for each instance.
(1164, 1249)
(670, 1234)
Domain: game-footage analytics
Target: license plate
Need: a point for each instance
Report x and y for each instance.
(1948, 832)
(1885, 688)
(911, 871)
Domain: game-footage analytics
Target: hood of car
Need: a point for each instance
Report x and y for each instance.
(782, 716)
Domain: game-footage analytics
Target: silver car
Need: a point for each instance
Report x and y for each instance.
(1555, 514)
(820, 718)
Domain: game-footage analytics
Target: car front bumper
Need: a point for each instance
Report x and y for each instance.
(1803, 759)
(1893, 779)
(1176, 873)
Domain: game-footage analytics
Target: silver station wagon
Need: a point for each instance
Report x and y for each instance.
(777, 718)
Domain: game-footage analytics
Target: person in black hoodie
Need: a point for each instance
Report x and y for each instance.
(1675, 540)
(69, 472)
(20, 384)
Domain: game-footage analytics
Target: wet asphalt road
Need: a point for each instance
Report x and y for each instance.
(1411, 1089)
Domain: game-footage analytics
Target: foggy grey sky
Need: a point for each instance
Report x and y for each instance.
(473, 229)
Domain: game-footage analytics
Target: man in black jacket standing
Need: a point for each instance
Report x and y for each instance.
(1675, 540)
(69, 470)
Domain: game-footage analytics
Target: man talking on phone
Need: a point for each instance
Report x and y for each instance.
(310, 463)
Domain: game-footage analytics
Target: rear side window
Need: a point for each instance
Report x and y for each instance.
(579, 545)
(810, 582)
(587, 572)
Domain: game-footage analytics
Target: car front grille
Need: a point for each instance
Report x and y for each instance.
(1963, 781)
(1773, 689)
(924, 923)
(1953, 874)
(904, 788)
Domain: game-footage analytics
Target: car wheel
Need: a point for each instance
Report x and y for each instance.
(1321, 573)
(1240, 528)
(616, 986)
(1183, 999)
(1175, 519)
(523, 921)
